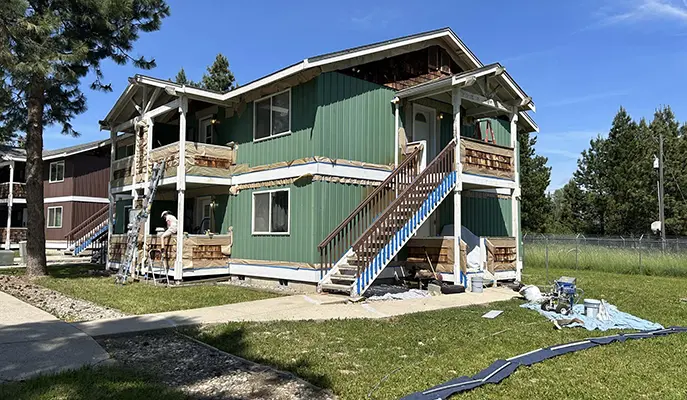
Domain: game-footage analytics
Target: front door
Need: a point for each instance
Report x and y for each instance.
(203, 209)
(424, 129)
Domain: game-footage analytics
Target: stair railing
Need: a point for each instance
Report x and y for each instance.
(337, 243)
(405, 206)
(76, 235)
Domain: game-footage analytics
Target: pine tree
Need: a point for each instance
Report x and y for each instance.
(591, 177)
(535, 177)
(181, 78)
(46, 48)
(218, 77)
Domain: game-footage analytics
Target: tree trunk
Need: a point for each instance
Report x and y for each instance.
(35, 246)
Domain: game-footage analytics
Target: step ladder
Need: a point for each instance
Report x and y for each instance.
(135, 227)
(488, 136)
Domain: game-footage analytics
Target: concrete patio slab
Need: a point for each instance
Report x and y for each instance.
(34, 342)
(290, 308)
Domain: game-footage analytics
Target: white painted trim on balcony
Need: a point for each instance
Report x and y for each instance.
(16, 200)
(487, 181)
(80, 199)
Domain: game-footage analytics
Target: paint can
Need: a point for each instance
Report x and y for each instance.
(477, 284)
(591, 307)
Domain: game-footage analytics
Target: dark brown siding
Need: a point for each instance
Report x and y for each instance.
(91, 174)
(58, 233)
(82, 211)
(58, 189)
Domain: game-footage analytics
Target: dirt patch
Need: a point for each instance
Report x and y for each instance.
(203, 372)
(55, 303)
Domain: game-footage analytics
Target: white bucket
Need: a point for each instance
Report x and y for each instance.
(591, 307)
(477, 284)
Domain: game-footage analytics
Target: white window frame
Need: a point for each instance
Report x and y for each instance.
(127, 212)
(255, 115)
(269, 222)
(201, 131)
(64, 170)
(61, 217)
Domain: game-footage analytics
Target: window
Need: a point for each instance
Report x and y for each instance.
(272, 116)
(206, 130)
(55, 217)
(56, 171)
(271, 212)
(124, 151)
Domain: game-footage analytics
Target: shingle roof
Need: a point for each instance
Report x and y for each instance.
(17, 153)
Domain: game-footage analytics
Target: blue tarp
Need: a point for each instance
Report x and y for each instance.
(501, 369)
(619, 319)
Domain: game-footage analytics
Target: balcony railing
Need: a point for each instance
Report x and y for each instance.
(202, 159)
(16, 235)
(483, 158)
(18, 190)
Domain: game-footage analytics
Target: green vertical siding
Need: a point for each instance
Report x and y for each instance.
(298, 246)
(355, 119)
(298, 144)
(500, 127)
(337, 202)
(487, 216)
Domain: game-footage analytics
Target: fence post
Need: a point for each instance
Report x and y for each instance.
(640, 255)
(577, 252)
(546, 241)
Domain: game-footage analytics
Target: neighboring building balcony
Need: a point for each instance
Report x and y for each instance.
(202, 160)
(16, 234)
(18, 190)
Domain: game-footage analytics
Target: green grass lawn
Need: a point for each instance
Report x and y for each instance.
(415, 352)
(599, 258)
(91, 384)
(141, 298)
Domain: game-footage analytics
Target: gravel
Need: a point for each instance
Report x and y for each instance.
(203, 372)
(56, 303)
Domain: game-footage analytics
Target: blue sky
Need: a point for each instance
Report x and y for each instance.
(579, 60)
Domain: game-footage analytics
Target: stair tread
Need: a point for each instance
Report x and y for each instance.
(336, 287)
(337, 277)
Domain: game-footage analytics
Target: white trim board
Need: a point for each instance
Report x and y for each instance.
(276, 272)
(80, 199)
(314, 168)
(487, 181)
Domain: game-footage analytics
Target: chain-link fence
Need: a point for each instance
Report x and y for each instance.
(647, 255)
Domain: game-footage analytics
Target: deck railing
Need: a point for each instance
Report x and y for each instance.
(82, 233)
(399, 212)
(16, 235)
(483, 158)
(337, 243)
(18, 190)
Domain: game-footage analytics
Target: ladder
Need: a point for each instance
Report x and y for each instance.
(488, 136)
(135, 226)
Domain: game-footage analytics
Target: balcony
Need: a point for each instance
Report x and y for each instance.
(202, 159)
(481, 158)
(16, 235)
(18, 190)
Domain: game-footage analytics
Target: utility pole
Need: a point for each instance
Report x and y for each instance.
(661, 189)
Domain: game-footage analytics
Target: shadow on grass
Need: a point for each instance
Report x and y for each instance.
(91, 383)
(233, 341)
(72, 271)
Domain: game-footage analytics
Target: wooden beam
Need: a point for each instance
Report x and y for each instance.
(163, 109)
(486, 102)
(153, 98)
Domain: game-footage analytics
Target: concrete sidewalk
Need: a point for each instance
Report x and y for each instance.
(34, 342)
(291, 308)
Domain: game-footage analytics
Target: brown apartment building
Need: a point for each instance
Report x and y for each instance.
(75, 184)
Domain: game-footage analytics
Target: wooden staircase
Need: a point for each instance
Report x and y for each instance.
(91, 233)
(352, 268)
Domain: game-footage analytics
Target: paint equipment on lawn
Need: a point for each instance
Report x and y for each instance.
(591, 307)
(564, 295)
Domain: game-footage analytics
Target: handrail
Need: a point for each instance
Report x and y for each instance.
(337, 243)
(88, 220)
(397, 214)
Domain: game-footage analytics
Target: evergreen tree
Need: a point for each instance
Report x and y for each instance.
(219, 77)
(592, 177)
(569, 208)
(181, 78)
(46, 48)
(535, 177)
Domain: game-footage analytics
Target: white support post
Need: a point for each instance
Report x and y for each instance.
(396, 126)
(457, 222)
(515, 199)
(10, 201)
(110, 196)
(181, 188)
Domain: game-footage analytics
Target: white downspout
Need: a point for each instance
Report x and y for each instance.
(10, 201)
(457, 221)
(181, 189)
